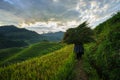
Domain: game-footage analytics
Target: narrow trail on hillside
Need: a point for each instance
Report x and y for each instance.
(79, 72)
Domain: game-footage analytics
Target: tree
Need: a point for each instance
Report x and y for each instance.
(79, 36)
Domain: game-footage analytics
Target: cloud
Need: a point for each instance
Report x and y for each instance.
(34, 13)
(50, 26)
(55, 0)
(7, 18)
(97, 10)
(9, 1)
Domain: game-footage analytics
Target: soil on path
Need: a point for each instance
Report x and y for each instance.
(79, 72)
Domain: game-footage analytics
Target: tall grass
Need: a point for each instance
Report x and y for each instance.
(55, 66)
(102, 58)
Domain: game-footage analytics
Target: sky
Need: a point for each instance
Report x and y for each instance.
(45, 16)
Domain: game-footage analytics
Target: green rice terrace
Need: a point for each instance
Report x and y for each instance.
(14, 55)
(53, 66)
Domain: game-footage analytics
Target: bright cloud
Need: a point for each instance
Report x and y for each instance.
(50, 26)
(55, 0)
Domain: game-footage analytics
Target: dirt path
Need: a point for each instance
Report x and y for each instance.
(79, 72)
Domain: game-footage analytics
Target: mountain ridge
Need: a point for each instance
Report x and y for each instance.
(10, 34)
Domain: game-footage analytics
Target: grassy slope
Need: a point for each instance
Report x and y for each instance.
(6, 53)
(55, 66)
(32, 51)
(101, 60)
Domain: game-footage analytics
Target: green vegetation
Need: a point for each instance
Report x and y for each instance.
(6, 53)
(54, 66)
(81, 34)
(102, 58)
(6, 42)
(35, 50)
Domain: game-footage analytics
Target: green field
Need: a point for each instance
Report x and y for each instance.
(15, 55)
(57, 65)
(6, 53)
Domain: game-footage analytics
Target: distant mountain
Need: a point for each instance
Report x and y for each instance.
(14, 33)
(11, 36)
(54, 36)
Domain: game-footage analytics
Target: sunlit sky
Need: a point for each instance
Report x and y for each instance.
(55, 15)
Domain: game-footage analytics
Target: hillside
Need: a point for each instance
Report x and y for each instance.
(20, 34)
(6, 53)
(15, 55)
(102, 58)
(57, 65)
(6, 42)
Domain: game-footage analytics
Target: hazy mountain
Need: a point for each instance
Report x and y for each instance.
(54, 36)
